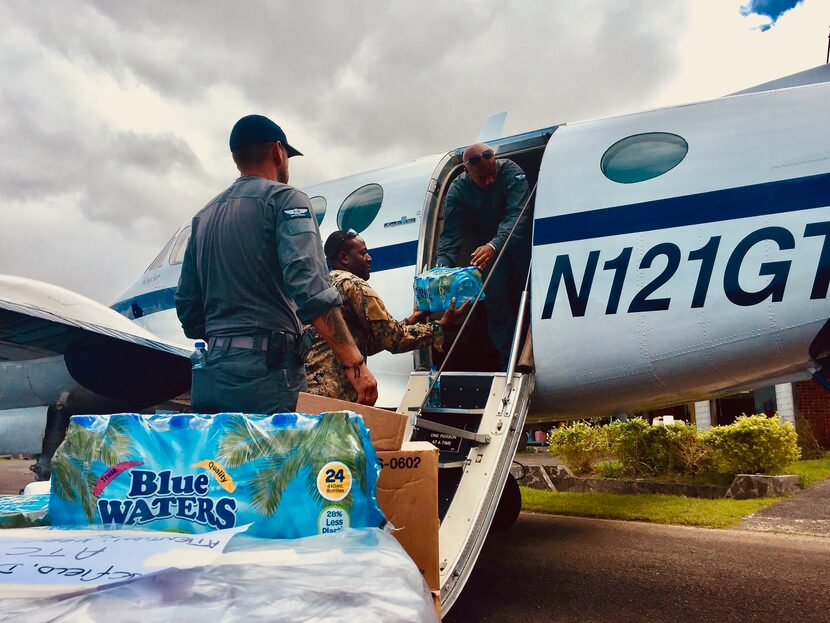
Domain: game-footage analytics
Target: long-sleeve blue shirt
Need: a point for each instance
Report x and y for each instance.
(254, 263)
(477, 216)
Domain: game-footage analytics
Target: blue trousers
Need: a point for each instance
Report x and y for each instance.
(240, 380)
(503, 294)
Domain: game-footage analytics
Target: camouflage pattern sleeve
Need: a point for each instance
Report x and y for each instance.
(325, 375)
(382, 331)
(373, 329)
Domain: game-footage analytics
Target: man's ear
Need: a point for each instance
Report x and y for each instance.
(277, 152)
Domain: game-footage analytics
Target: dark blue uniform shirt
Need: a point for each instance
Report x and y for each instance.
(254, 263)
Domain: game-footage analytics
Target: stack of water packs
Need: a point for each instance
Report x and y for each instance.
(289, 475)
(435, 288)
(23, 511)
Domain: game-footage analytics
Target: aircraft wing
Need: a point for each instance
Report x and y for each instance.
(103, 351)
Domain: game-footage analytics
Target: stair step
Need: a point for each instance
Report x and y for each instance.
(428, 410)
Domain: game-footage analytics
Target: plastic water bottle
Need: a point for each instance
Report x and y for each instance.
(434, 399)
(464, 289)
(199, 357)
(421, 293)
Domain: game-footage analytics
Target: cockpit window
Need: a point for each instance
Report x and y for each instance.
(643, 157)
(359, 209)
(161, 256)
(318, 206)
(177, 256)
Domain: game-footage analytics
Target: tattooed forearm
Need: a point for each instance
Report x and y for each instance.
(332, 327)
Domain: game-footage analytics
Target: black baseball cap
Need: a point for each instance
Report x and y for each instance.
(258, 129)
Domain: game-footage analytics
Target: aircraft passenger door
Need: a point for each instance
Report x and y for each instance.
(526, 150)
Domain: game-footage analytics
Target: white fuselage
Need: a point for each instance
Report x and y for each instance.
(708, 275)
(700, 278)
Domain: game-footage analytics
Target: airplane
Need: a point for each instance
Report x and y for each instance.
(679, 254)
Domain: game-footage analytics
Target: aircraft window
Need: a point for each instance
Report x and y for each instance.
(643, 156)
(318, 206)
(359, 209)
(160, 257)
(177, 256)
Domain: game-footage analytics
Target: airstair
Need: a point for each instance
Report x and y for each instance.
(476, 428)
(476, 422)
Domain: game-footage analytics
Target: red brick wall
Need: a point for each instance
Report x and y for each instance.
(813, 402)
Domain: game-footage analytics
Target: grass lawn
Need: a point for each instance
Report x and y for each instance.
(668, 509)
(811, 471)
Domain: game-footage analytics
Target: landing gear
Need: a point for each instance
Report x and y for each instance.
(509, 505)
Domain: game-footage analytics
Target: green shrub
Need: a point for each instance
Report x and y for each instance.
(579, 445)
(641, 448)
(754, 444)
(688, 452)
(609, 469)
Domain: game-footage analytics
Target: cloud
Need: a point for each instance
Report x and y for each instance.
(364, 75)
(772, 9)
(116, 114)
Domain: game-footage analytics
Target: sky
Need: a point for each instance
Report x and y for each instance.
(114, 116)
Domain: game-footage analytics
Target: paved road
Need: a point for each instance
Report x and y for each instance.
(569, 570)
(14, 475)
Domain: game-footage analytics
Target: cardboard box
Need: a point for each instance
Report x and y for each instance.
(408, 496)
(386, 428)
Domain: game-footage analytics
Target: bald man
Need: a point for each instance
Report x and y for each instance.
(483, 204)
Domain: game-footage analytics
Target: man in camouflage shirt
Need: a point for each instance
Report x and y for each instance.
(371, 325)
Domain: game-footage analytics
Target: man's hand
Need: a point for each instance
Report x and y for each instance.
(331, 326)
(482, 256)
(364, 383)
(453, 315)
(417, 316)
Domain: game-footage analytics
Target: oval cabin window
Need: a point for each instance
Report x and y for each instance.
(318, 206)
(643, 157)
(359, 209)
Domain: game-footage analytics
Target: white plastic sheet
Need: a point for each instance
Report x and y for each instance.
(355, 575)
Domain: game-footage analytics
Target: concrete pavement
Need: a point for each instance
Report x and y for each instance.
(807, 512)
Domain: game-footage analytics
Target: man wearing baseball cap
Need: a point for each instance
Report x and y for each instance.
(253, 272)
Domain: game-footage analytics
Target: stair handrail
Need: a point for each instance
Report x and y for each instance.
(517, 337)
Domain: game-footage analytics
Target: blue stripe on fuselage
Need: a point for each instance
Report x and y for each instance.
(146, 304)
(803, 193)
(394, 256)
(383, 258)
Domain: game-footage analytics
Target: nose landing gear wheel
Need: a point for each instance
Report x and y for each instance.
(509, 506)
